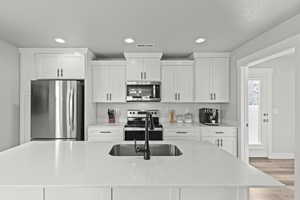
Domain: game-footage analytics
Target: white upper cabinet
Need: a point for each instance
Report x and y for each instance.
(60, 66)
(109, 81)
(143, 66)
(220, 79)
(212, 78)
(177, 81)
(152, 69)
(135, 69)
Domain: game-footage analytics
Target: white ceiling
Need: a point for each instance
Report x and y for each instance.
(171, 25)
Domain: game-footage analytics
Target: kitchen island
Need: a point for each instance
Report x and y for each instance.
(85, 170)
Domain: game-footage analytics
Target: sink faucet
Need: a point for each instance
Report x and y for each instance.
(149, 125)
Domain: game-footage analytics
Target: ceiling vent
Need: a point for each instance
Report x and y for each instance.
(144, 45)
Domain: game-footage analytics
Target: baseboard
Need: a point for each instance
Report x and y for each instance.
(281, 156)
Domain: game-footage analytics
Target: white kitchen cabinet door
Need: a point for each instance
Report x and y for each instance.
(135, 69)
(209, 193)
(132, 193)
(212, 140)
(77, 193)
(59, 66)
(220, 79)
(229, 145)
(152, 69)
(203, 81)
(72, 66)
(21, 193)
(184, 83)
(109, 82)
(117, 83)
(168, 84)
(48, 66)
(100, 83)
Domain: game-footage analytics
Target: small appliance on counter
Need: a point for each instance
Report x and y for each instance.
(210, 116)
(111, 115)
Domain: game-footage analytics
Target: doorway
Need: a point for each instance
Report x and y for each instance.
(259, 111)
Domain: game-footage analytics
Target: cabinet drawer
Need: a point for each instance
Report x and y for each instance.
(105, 133)
(77, 193)
(148, 193)
(180, 133)
(219, 131)
(21, 193)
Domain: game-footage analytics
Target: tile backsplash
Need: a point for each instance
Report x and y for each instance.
(164, 109)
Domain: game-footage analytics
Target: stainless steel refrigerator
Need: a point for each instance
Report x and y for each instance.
(57, 109)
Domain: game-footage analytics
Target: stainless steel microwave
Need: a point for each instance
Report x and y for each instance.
(139, 91)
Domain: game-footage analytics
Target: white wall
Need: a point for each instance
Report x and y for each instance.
(283, 102)
(279, 33)
(9, 95)
(297, 139)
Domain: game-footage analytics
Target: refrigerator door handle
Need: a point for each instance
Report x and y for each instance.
(70, 110)
(73, 109)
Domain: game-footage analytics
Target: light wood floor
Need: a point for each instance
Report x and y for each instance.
(283, 171)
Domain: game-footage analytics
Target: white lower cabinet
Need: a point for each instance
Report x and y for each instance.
(77, 193)
(208, 193)
(223, 137)
(21, 193)
(138, 193)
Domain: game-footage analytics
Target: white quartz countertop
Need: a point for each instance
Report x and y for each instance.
(89, 164)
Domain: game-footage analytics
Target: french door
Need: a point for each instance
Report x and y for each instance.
(259, 111)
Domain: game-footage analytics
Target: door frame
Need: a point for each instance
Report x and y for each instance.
(278, 50)
(269, 105)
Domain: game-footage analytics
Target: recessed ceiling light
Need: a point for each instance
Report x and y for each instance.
(59, 40)
(200, 40)
(129, 40)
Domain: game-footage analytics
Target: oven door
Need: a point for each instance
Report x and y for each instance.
(139, 134)
(143, 91)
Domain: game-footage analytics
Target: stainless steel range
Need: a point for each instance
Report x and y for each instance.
(135, 127)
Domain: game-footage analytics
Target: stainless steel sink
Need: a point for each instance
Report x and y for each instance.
(155, 149)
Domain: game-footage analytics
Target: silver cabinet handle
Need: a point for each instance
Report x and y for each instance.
(57, 73)
(61, 72)
(219, 132)
(110, 96)
(218, 142)
(106, 96)
(145, 75)
(181, 132)
(221, 142)
(105, 131)
(214, 96)
(211, 96)
(141, 75)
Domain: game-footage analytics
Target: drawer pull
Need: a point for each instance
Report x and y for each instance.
(105, 131)
(219, 132)
(181, 132)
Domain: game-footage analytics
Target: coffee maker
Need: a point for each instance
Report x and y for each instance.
(210, 116)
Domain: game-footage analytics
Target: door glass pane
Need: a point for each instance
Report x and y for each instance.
(254, 104)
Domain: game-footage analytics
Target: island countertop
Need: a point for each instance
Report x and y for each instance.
(85, 164)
